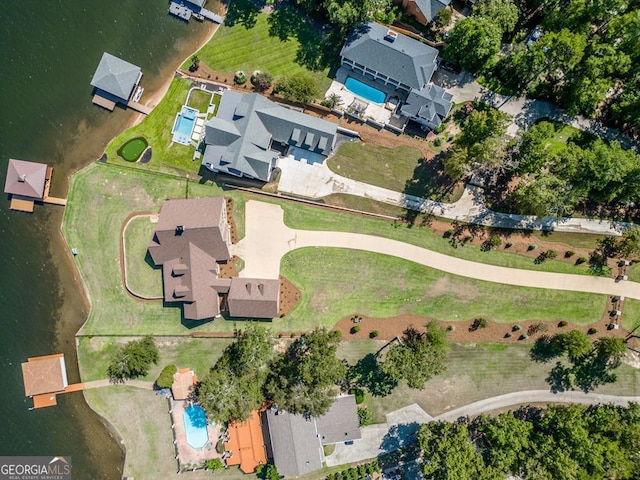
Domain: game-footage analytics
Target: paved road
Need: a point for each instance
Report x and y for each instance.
(389, 436)
(525, 111)
(317, 181)
(267, 239)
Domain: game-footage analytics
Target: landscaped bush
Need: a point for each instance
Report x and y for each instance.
(562, 323)
(439, 129)
(261, 80)
(356, 473)
(532, 247)
(507, 335)
(516, 328)
(524, 336)
(358, 393)
(355, 329)
(449, 233)
(592, 331)
(569, 254)
(240, 77)
(437, 142)
(580, 260)
(451, 328)
(493, 242)
(478, 323)
(364, 416)
(537, 327)
(165, 379)
(374, 334)
(220, 447)
(508, 245)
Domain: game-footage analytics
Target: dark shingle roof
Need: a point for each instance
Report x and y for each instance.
(25, 178)
(430, 8)
(115, 76)
(340, 423)
(254, 298)
(241, 134)
(432, 103)
(405, 60)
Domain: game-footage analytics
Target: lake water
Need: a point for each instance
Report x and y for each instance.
(50, 50)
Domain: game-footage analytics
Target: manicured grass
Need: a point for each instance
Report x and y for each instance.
(199, 354)
(132, 150)
(301, 217)
(574, 240)
(563, 134)
(240, 48)
(142, 276)
(93, 222)
(156, 128)
(399, 169)
(215, 100)
(337, 282)
(631, 315)
(200, 100)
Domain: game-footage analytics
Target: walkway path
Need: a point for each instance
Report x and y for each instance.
(402, 424)
(317, 181)
(267, 239)
(525, 111)
(128, 383)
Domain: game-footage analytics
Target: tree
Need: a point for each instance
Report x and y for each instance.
(268, 472)
(629, 244)
(473, 43)
(448, 453)
(232, 389)
(299, 87)
(504, 13)
(575, 343)
(443, 18)
(133, 360)
(195, 63)
(165, 379)
(610, 350)
(562, 50)
(305, 379)
(505, 441)
(418, 357)
(544, 195)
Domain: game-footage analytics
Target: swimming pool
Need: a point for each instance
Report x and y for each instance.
(195, 426)
(183, 126)
(365, 91)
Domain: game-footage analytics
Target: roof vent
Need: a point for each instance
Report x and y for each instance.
(22, 178)
(179, 230)
(391, 36)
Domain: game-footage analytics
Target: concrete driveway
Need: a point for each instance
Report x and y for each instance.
(268, 239)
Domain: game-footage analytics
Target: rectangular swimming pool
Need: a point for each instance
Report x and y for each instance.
(365, 91)
(183, 126)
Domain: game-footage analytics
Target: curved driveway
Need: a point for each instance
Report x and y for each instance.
(268, 239)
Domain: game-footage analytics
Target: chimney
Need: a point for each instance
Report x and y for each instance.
(179, 230)
(22, 178)
(390, 36)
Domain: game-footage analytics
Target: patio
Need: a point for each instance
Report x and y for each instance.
(188, 456)
(349, 101)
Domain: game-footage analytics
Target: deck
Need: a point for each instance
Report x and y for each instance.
(103, 102)
(21, 204)
(138, 107)
(180, 11)
(26, 204)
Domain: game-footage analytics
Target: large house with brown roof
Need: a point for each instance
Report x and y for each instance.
(191, 240)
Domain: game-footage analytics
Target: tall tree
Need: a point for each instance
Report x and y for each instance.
(504, 13)
(473, 43)
(133, 360)
(305, 379)
(418, 357)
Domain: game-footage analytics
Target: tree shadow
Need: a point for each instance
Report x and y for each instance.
(367, 374)
(544, 350)
(560, 378)
(399, 436)
(244, 12)
(319, 43)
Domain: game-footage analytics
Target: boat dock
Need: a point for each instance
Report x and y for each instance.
(180, 11)
(138, 107)
(209, 15)
(103, 102)
(23, 203)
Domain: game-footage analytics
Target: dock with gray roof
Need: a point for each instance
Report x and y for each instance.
(180, 11)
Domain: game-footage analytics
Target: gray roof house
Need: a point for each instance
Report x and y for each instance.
(190, 240)
(383, 55)
(116, 79)
(296, 440)
(428, 106)
(248, 133)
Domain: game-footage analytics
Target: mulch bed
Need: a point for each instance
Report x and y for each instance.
(289, 296)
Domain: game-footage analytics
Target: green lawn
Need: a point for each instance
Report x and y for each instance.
(400, 169)
(304, 218)
(143, 278)
(132, 150)
(200, 100)
(337, 282)
(256, 48)
(156, 129)
(631, 315)
(199, 354)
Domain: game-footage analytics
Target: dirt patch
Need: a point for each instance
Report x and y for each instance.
(461, 332)
(289, 296)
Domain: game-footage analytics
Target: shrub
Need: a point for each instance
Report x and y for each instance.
(374, 334)
(437, 142)
(508, 245)
(213, 464)
(537, 327)
(551, 254)
(220, 447)
(569, 254)
(507, 335)
(495, 241)
(516, 328)
(562, 323)
(358, 393)
(165, 379)
(439, 129)
(133, 360)
(478, 323)
(592, 331)
(449, 233)
(240, 77)
(355, 329)
(451, 328)
(580, 260)
(261, 80)
(532, 247)
(364, 416)
(524, 336)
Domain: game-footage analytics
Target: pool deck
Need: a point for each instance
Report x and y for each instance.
(186, 454)
(378, 112)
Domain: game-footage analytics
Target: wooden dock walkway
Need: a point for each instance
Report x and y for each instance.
(138, 107)
(104, 103)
